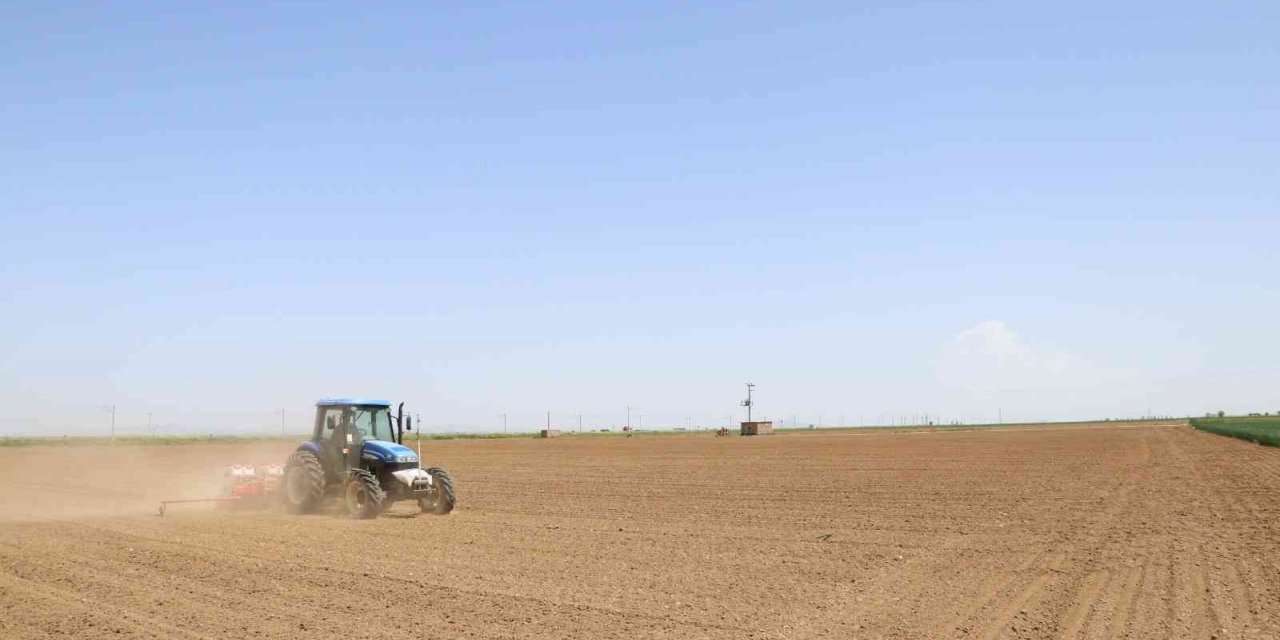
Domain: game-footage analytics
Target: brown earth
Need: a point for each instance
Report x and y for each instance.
(1066, 532)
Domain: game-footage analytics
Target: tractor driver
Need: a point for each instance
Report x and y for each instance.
(341, 432)
(346, 437)
(359, 425)
(353, 436)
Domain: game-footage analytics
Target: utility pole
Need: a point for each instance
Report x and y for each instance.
(579, 423)
(548, 420)
(748, 403)
(628, 417)
(504, 422)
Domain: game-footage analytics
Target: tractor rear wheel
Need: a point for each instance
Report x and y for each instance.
(303, 482)
(364, 495)
(440, 500)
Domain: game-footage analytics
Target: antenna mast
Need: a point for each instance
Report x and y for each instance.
(748, 403)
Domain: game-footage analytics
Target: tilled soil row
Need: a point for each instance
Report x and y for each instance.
(1079, 532)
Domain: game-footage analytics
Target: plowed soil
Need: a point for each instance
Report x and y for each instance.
(1057, 532)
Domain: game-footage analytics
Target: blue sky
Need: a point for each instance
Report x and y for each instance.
(870, 210)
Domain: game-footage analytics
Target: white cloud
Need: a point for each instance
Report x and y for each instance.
(990, 357)
(989, 363)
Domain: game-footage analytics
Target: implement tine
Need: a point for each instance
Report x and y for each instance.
(164, 504)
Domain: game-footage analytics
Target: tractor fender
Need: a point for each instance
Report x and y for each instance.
(313, 447)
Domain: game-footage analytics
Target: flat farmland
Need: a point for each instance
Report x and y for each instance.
(1097, 531)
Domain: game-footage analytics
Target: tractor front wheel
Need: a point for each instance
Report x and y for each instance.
(441, 498)
(303, 482)
(364, 495)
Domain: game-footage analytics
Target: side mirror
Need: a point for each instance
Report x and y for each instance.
(408, 423)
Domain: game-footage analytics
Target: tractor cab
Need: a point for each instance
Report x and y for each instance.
(357, 451)
(348, 431)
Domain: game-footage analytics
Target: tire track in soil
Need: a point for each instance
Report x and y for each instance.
(498, 598)
(1085, 541)
(104, 608)
(1192, 605)
(878, 610)
(934, 609)
(992, 589)
(1086, 600)
(1104, 603)
(215, 605)
(1126, 602)
(239, 573)
(1233, 471)
(1256, 603)
(1197, 607)
(1238, 599)
(1169, 491)
(1004, 617)
(21, 615)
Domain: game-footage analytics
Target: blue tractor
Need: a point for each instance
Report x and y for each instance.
(357, 452)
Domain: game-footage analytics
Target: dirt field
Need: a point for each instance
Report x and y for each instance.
(1070, 532)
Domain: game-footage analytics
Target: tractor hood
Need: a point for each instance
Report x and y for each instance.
(384, 451)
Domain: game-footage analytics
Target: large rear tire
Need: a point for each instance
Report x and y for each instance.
(364, 495)
(440, 500)
(303, 482)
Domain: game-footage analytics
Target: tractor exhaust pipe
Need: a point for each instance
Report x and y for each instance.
(400, 423)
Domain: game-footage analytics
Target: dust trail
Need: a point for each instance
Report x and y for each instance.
(69, 482)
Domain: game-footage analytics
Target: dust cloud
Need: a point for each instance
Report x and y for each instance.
(71, 481)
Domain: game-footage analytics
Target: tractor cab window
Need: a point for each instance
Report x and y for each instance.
(333, 419)
(373, 423)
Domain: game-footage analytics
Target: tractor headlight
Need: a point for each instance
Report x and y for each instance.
(405, 458)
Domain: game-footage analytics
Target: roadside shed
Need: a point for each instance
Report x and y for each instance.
(757, 428)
